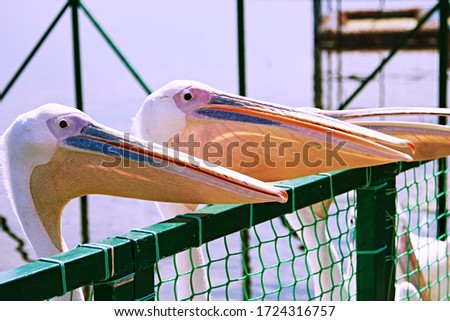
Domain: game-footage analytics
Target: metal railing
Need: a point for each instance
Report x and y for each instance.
(123, 267)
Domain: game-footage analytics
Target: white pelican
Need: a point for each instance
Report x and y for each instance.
(428, 258)
(330, 281)
(266, 141)
(407, 284)
(170, 115)
(272, 142)
(190, 264)
(55, 153)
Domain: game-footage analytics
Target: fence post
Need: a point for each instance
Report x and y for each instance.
(79, 104)
(137, 283)
(245, 235)
(375, 237)
(443, 66)
(317, 9)
(390, 217)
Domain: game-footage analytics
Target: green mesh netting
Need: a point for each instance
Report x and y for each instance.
(311, 255)
(422, 260)
(303, 256)
(280, 260)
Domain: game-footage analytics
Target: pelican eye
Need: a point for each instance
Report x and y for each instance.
(63, 123)
(187, 96)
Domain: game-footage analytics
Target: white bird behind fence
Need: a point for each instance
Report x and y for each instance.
(264, 140)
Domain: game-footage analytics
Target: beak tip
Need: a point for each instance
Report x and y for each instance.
(283, 196)
(407, 158)
(412, 146)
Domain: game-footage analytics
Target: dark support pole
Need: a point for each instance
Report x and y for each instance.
(317, 8)
(374, 239)
(370, 231)
(443, 65)
(243, 91)
(390, 218)
(241, 47)
(317, 55)
(76, 54)
(79, 105)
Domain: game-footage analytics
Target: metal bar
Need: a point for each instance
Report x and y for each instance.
(76, 55)
(115, 49)
(83, 266)
(243, 91)
(441, 213)
(394, 50)
(144, 273)
(318, 77)
(79, 105)
(317, 9)
(375, 234)
(444, 11)
(391, 210)
(370, 243)
(241, 47)
(33, 52)
(443, 65)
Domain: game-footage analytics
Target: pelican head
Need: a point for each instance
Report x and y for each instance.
(164, 110)
(56, 153)
(189, 111)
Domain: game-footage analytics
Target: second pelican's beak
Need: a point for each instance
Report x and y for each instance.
(309, 125)
(268, 141)
(431, 140)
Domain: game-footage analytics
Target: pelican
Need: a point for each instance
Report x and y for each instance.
(190, 264)
(262, 140)
(171, 116)
(428, 259)
(165, 119)
(406, 283)
(55, 153)
(273, 142)
(330, 281)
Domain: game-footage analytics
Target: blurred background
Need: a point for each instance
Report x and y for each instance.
(196, 39)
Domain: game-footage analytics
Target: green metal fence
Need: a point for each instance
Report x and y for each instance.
(276, 262)
(139, 265)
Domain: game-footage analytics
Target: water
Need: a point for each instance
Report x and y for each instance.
(167, 40)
